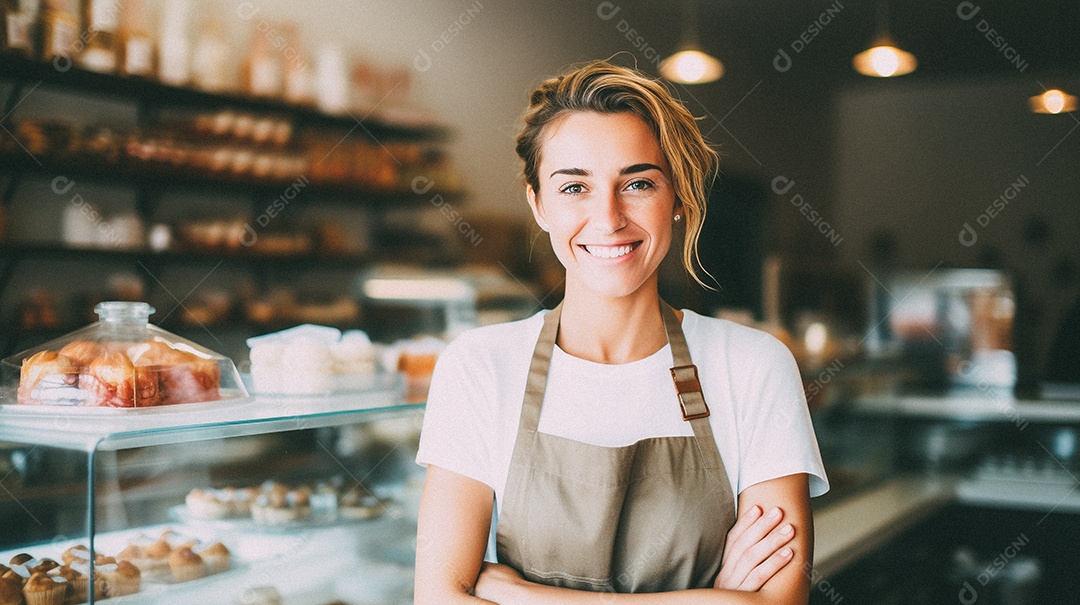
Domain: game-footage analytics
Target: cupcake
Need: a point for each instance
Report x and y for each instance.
(43, 589)
(20, 559)
(41, 565)
(216, 557)
(78, 578)
(17, 572)
(155, 563)
(10, 591)
(186, 565)
(204, 504)
(75, 554)
(121, 579)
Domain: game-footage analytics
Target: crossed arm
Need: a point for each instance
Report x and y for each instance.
(763, 562)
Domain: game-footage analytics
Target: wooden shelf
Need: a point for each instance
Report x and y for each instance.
(157, 94)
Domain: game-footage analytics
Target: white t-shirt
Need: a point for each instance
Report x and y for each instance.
(749, 379)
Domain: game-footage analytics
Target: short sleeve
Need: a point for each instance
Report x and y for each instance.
(780, 438)
(458, 430)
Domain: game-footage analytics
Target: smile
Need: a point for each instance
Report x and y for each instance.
(610, 251)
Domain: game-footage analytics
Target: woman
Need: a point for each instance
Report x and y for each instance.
(625, 483)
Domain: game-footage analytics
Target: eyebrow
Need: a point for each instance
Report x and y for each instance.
(628, 170)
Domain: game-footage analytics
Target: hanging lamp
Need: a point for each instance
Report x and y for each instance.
(884, 58)
(1054, 100)
(690, 64)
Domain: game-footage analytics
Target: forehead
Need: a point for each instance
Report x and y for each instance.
(584, 139)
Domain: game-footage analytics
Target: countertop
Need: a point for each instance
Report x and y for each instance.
(854, 526)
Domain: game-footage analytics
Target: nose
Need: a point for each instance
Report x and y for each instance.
(609, 215)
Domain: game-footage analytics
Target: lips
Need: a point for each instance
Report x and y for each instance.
(610, 251)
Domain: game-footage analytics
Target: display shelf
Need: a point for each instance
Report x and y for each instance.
(152, 93)
(973, 405)
(38, 250)
(161, 177)
(110, 429)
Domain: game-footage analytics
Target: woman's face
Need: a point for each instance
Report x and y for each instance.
(607, 200)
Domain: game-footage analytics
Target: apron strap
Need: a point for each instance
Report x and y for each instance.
(692, 401)
(538, 372)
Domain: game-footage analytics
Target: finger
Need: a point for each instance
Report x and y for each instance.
(760, 551)
(767, 569)
(741, 525)
(757, 530)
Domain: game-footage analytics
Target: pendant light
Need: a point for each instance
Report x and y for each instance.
(1054, 100)
(691, 65)
(884, 58)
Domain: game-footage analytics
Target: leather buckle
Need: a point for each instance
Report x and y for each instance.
(688, 387)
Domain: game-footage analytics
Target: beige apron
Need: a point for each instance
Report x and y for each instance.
(647, 517)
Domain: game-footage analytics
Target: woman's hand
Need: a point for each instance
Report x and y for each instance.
(497, 583)
(754, 550)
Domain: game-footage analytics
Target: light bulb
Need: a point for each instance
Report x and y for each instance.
(1053, 101)
(884, 60)
(691, 67)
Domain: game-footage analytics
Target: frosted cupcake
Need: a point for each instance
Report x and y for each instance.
(216, 557)
(121, 579)
(186, 565)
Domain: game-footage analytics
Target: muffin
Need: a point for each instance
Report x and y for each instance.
(18, 573)
(216, 557)
(121, 579)
(186, 565)
(75, 554)
(20, 559)
(155, 562)
(41, 565)
(10, 591)
(43, 589)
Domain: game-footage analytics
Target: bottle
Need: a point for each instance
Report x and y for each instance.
(174, 60)
(210, 63)
(298, 72)
(136, 46)
(101, 19)
(262, 73)
(14, 28)
(57, 31)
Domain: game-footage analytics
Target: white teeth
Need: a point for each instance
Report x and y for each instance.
(609, 251)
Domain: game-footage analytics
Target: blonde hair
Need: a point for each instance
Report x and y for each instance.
(605, 88)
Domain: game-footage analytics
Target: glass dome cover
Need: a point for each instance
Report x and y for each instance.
(120, 361)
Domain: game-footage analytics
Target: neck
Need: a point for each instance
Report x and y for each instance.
(611, 330)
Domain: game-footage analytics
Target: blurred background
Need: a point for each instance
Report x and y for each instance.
(249, 166)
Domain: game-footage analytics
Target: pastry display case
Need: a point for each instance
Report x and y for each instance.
(301, 500)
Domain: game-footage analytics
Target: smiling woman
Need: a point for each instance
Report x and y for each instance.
(608, 462)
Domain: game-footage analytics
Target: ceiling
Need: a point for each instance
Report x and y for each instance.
(746, 34)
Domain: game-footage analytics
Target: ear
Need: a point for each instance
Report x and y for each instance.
(534, 204)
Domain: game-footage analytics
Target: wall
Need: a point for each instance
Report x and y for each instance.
(919, 161)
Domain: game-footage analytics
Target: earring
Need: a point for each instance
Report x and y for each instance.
(678, 217)
(543, 227)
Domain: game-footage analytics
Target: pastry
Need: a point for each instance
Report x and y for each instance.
(46, 376)
(216, 557)
(18, 573)
(205, 504)
(186, 565)
(121, 579)
(20, 559)
(10, 591)
(155, 561)
(78, 581)
(272, 508)
(260, 595)
(111, 379)
(41, 565)
(357, 505)
(185, 377)
(82, 352)
(43, 589)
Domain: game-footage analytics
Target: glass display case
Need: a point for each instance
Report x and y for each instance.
(294, 500)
